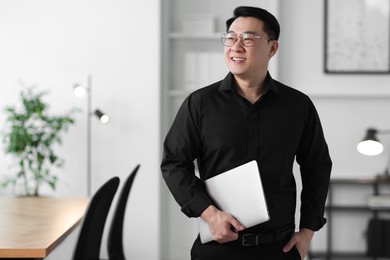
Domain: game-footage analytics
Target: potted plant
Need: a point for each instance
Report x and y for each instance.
(30, 135)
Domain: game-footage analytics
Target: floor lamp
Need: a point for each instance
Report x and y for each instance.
(370, 145)
(80, 90)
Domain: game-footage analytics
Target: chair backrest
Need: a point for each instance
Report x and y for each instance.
(90, 236)
(115, 236)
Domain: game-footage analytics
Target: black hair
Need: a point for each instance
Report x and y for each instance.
(271, 24)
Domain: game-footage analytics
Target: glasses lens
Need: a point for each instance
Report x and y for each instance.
(228, 39)
(248, 39)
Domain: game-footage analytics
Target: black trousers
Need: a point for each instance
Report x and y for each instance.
(235, 251)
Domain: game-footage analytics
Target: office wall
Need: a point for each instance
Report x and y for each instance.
(347, 104)
(53, 44)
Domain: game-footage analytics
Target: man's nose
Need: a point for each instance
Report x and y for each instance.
(237, 45)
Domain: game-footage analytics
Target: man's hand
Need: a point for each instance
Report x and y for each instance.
(301, 240)
(223, 226)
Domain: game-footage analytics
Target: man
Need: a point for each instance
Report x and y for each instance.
(249, 116)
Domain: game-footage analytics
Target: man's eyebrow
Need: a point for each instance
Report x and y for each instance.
(252, 32)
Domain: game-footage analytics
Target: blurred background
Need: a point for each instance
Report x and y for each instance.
(137, 54)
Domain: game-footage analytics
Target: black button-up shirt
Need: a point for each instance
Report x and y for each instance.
(221, 130)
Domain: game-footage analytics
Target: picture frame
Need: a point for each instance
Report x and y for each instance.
(357, 37)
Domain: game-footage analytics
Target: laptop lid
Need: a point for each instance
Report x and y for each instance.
(239, 192)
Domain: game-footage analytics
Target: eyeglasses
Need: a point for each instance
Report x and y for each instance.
(247, 39)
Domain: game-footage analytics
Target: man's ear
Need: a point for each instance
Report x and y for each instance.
(274, 48)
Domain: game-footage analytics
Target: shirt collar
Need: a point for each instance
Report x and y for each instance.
(228, 84)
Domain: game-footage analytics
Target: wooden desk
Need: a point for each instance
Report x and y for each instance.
(31, 227)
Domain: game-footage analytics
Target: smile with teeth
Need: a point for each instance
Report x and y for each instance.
(238, 59)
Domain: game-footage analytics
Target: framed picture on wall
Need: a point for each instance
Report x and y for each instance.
(357, 36)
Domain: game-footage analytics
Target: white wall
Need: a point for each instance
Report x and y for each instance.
(347, 104)
(54, 44)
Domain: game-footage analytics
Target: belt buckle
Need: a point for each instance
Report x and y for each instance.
(246, 236)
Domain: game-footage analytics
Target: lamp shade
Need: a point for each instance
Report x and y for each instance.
(79, 90)
(104, 118)
(370, 145)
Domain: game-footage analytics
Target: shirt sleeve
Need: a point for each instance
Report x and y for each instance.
(180, 149)
(315, 166)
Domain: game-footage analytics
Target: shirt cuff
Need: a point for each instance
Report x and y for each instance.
(314, 223)
(197, 205)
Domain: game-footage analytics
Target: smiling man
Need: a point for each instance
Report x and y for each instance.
(250, 116)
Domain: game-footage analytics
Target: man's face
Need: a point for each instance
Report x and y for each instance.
(247, 62)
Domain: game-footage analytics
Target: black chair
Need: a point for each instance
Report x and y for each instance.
(115, 236)
(90, 236)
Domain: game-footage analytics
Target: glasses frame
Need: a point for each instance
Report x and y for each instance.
(240, 37)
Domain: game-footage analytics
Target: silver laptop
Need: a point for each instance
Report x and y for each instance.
(239, 192)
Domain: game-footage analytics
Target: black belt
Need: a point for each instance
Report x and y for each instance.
(262, 239)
